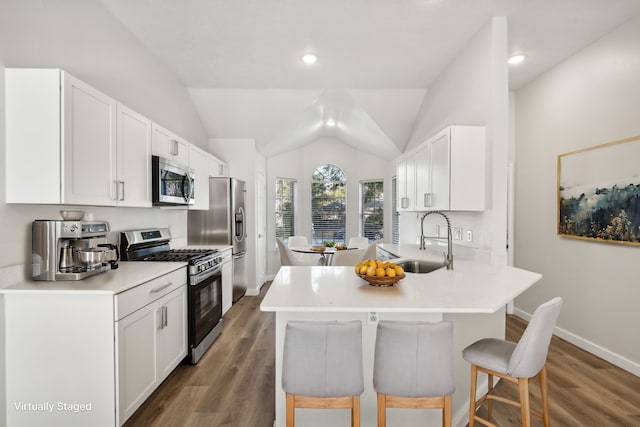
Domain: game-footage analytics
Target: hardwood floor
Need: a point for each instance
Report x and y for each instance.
(233, 384)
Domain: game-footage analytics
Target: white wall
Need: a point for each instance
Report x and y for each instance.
(472, 90)
(589, 99)
(82, 38)
(300, 165)
(243, 160)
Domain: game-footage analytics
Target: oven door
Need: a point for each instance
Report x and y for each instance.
(205, 306)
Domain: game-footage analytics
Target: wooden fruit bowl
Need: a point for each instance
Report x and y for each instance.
(382, 281)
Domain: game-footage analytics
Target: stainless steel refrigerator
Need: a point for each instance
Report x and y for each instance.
(224, 224)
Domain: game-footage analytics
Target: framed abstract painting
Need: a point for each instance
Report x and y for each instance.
(599, 193)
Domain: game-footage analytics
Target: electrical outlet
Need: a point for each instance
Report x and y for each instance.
(469, 236)
(372, 318)
(457, 233)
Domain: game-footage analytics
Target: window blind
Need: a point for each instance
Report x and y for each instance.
(372, 209)
(285, 208)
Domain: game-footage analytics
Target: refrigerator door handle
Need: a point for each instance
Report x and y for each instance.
(239, 220)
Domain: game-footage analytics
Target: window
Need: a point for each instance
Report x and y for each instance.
(372, 210)
(285, 208)
(328, 188)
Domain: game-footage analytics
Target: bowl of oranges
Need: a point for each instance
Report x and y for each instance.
(379, 273)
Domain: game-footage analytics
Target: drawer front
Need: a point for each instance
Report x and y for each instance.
(135, 298)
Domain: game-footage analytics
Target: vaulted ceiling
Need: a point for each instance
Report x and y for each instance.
(377, 58)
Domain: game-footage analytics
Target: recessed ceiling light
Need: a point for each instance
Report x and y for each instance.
(516, 59)
(330, 122)
(309, 58)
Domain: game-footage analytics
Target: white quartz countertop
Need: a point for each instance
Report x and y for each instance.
(472, 287)
(127, 276)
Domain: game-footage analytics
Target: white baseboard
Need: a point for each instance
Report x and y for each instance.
(593, 348)
(252, 292)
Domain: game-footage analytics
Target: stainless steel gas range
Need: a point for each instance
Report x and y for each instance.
(204, 313)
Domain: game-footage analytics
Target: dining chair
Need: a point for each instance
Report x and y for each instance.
(288, 257)
(298, 241)
(370, 253)
(413, 367)
(322, 367)
(347, 257)
(358, 242)
(517, 363)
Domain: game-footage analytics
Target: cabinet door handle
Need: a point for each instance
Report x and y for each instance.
(160, 288)
(428, 199)
(122, 190)
(174, 147)
(220, 170)
(166, 316)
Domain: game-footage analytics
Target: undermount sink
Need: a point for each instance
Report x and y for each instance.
(420, 266)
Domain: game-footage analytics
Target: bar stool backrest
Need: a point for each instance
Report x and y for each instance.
(530, 353)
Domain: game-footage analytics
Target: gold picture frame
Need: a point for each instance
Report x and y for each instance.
(599, 193)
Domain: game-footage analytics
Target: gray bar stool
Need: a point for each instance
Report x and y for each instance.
(322, 367)
(413, 367)
(516, 363)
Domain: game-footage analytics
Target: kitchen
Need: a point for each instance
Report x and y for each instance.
(37, 34)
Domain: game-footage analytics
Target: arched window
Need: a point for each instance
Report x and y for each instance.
(328, 207)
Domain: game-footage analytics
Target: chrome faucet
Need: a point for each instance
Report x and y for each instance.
(448, 257)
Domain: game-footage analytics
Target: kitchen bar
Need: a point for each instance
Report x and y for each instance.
(472, 296)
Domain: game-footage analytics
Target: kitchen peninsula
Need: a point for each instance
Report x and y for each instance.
(472, 296)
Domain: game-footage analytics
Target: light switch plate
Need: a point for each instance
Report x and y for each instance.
(457, 233)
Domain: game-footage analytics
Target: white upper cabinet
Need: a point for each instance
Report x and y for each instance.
(422, 178)
(168, 145)
(88, 144)
(61, 140)
(446, 172)
(406, 182)
(134, 159)
(457, 169)
(199, 162)
(68, 143)
(217, 167)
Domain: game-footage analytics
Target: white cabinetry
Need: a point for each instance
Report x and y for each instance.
(217, 167)
(61, 139)
(68, 143)
(151, 333)
(227, 279)
(134, 159)
(99, 352)
(406, 181)
(168, 145)
(457, 169)
(422, 178)
(199, 162)
(446, 172)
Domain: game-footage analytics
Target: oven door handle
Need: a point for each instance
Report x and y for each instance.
(206, 274)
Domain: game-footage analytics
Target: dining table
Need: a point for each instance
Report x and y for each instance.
(326, 255)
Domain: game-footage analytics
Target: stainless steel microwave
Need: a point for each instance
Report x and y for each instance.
(172, 183)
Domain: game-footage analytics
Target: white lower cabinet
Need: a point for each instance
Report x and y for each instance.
(89, 357)
(151, 341)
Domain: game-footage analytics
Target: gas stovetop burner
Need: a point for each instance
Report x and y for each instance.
(180, 255)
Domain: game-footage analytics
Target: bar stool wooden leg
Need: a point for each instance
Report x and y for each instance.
(525, 410)
(472, 398)
(290, 410)
(446, 412)
(544, 395)
(382, 410)
(489, 401)
(355, 412)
